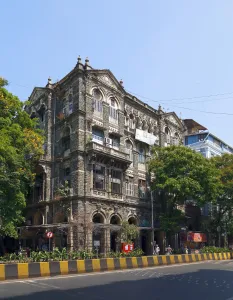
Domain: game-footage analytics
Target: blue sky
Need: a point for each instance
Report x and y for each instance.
(162, 49)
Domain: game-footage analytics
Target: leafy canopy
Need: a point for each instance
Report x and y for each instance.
(129, 232)
(222, 212)
(184, 174)
(20, 147)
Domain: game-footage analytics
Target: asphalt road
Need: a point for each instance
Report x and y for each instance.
(209, 280)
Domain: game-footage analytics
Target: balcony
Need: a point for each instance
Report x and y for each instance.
(109, 152)
(106, 195)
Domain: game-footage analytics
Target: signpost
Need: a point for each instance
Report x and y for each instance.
(49, 236)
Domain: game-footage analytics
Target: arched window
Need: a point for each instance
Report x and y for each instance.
(115, 220)
(113, 111)
(141, 154)
(70, 103)
(126, 119)
(97, 101)
(98, 218)
(176, 139)
(144, 125)
(41, 113)
(129, 146)
(131, 122)
(132, 221)
(66, 139)
(167, 136)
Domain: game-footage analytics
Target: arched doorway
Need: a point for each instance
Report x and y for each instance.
(98, 236)
(132, 221)
(114, 233)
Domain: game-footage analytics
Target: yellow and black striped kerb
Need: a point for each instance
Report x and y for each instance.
(40, 269)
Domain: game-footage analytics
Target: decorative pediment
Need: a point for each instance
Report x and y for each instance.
(107, 78)
(172, 117)
(37, 94)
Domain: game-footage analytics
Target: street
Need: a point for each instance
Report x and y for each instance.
(203, 280)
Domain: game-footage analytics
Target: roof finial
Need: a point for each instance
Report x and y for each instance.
(49, 83)
(121, 82)
(79, 59)
(87, 61)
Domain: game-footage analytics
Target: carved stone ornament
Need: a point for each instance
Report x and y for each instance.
(173, 120)
(107, 80)
(116, 209)
(99, 207)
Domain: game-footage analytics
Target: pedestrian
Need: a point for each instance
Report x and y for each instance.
(157, 250)
(169, 250)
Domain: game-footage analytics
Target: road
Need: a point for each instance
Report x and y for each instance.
(197, 281)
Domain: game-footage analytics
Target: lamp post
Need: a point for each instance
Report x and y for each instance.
(219, 236)
(152, 221)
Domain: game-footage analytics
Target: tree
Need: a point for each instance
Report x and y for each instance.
(221, 214)
(181, 174)
(20, 147)
(128, 232)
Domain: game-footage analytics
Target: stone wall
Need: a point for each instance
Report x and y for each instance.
(74, 92)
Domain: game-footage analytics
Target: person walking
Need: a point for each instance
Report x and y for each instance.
(157, 249)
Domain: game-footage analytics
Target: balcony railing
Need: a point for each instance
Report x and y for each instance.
(122, 154)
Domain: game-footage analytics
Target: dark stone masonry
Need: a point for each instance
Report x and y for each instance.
(98, 141)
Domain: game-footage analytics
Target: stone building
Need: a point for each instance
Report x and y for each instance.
(93, 174)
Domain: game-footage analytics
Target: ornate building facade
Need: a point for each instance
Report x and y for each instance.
(93, 174)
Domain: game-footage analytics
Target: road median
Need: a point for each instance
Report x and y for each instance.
(55, 268)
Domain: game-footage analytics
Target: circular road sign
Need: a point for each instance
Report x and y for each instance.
(49, 234)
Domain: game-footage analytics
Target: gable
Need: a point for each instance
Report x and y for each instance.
(172, 117)
(36, 94)
(107, 78)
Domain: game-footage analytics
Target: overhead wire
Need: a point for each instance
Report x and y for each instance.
(202, 111)
(179, 99)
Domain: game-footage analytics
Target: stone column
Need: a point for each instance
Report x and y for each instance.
(107, 240)
(106, 118)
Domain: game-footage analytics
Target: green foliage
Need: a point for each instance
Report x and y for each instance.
(211, 249)
(135, 253)
(171, 223)
(128, 232)
(20, 147)
(222, 214)
(181, 174)
(62, 255)
(63, 190)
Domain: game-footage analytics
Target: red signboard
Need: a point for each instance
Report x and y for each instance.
(127, 247)
(196, 237)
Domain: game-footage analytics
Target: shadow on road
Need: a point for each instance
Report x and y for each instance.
(200, 285)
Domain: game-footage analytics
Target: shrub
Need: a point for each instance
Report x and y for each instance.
(212, 249)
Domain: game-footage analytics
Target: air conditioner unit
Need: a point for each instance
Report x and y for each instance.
(108, 141)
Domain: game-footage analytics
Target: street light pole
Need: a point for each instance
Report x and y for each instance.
(152, 221)
(219, 236)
